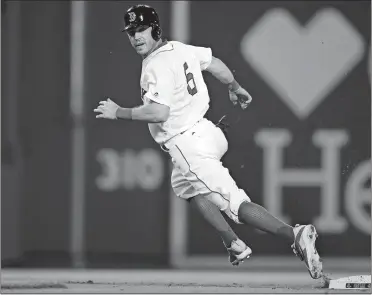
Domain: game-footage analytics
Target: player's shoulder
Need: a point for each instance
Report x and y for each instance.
(161, 56)
(177, 44)
(181, 45)
(168, 50)
(161, 53)
(158, 63)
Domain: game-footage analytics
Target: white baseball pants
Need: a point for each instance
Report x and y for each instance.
(197, 168)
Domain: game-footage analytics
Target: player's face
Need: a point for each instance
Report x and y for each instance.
(141, 39)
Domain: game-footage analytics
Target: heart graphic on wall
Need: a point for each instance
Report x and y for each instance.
(302, 64)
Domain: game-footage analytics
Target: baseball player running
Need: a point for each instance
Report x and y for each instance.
(175, 100)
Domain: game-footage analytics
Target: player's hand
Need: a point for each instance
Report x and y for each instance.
(107, 109)
(240, 96)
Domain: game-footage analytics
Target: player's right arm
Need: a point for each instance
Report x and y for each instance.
(220, 71)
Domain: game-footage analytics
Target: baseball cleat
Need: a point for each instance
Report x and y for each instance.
(304, 248)
(238, 252)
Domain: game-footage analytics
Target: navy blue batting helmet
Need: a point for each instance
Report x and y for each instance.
(142, 15)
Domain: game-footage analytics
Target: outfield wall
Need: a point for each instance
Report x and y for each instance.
(302, 149)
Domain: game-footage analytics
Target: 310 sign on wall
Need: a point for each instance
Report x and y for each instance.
(129, 169)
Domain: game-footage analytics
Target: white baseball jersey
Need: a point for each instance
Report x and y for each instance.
(172, 76)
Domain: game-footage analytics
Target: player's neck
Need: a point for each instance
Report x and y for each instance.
(157, 45)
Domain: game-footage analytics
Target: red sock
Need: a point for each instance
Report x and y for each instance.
(258, 217)
(214, 217)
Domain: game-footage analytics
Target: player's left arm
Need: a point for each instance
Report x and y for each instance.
(160, 81)
(221, 72)
(153, 112)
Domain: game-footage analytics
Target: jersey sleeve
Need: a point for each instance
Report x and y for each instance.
(160, 80)
(203, 54)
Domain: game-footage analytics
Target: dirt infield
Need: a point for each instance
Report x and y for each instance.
(162, 281)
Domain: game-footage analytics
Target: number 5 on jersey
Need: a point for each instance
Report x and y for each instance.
(190, 77)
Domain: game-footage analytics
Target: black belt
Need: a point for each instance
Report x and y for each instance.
(164, 148)
(220, 124)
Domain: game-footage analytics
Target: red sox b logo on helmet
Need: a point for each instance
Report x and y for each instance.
(132, 16)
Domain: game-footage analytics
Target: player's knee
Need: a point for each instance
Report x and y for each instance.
(235, 203)
(236, 200)
(232, 216)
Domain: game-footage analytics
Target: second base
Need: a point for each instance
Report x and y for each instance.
(353, 282)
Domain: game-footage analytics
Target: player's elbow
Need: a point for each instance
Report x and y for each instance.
(220, 70)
